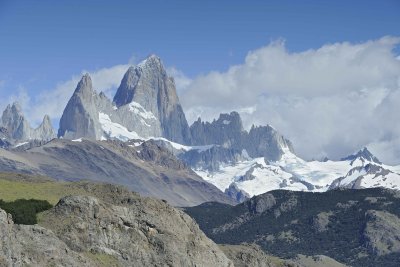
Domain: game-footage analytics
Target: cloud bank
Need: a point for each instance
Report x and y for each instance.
(330, 101)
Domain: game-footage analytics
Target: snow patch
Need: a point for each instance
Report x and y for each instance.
(116, 130)
(141, 111)
(19, 144)
(182, 147)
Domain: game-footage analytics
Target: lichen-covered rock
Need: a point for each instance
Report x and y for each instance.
(137, 231)
(33, 245)
(251, 255)
(314, 261)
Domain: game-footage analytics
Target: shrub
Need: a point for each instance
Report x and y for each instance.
(24, 211)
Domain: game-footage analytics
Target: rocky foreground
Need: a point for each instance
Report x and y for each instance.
(107, 225)
(113, 227)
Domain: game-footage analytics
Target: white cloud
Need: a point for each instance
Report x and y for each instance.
(181, 80)
(53, 102)
(329, 101)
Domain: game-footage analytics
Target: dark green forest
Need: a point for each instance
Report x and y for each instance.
(286, 230)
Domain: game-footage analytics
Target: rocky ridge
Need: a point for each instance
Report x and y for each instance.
(108, 227)
(143, 167)
(145, 105)
(355, 227)
(15, 128)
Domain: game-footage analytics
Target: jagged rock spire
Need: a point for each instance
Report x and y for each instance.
(18, 128)
(80, 116)
(364, 155)
(149, 85)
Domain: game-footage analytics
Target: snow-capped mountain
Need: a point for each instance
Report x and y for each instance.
(257, 176)
(240, 163)
(145, 105)
(369, 175)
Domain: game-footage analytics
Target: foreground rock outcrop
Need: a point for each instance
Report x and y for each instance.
(109, 226)
(33, 245)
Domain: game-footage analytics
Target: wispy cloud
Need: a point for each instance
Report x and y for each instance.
(53, 101)
(329, 101)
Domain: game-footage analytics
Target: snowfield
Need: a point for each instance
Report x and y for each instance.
(255, 176)
(294, 173)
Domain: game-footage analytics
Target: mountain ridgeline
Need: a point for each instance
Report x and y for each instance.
(355, 227)
(144, 125)
(15, 128)
(146, 105)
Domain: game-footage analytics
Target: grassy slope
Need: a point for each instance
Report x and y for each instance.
(16, 186)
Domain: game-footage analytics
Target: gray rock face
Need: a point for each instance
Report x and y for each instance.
(382, 232)
(108, 226)
(321, 220)
(251, 255)
(145, 105)
(15, 123)
(314, 261)
(228, 132)
(81, 115)
(15, 127)
(45, 131)
(261, 203)
(135, 231)
(363, 155)
(355, 177)
(149, 85)
(91, 115)
(265, 141)
(33, 245)
(235, 193)
(210, 159)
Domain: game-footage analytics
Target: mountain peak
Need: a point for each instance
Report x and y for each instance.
(85, 84)
(363, 154)
(46, 120)
(16, 106)
(150, 60)
(232, 120)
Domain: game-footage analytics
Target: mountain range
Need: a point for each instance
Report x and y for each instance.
(355, 227)
(142, 139)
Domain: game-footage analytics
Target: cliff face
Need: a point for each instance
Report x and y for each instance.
(145, 105)
(108, 223)
(15, 128)
(148, 85)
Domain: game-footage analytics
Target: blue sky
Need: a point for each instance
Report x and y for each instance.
(318, 51)
(43, 42)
